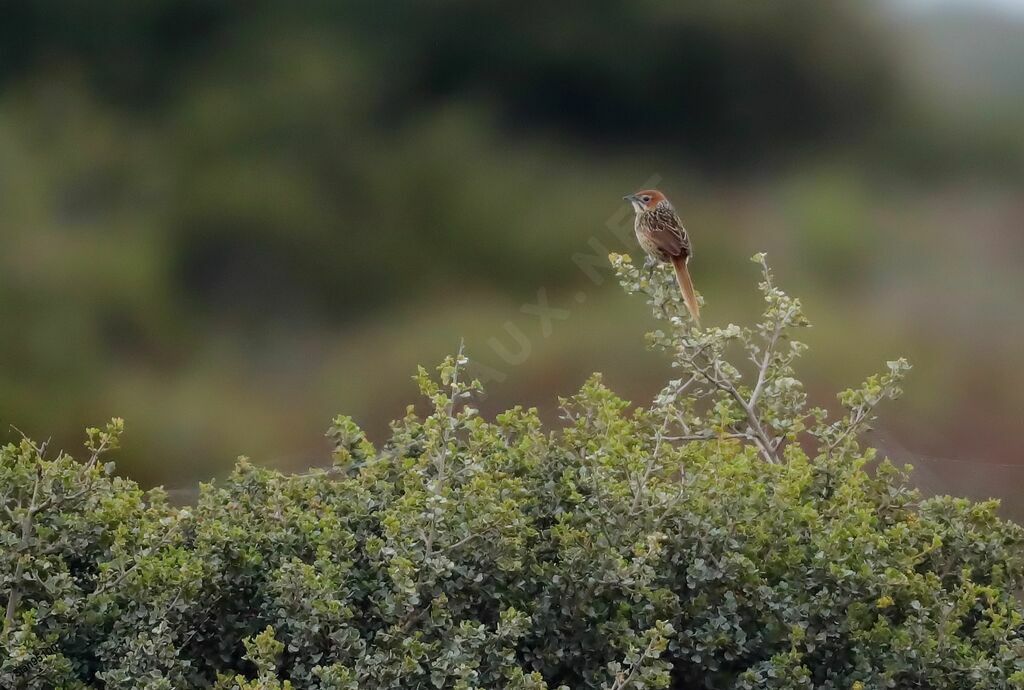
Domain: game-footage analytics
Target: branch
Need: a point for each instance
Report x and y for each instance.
(760, 438)
(442, 458)
(450, 422)
(622, 682)
(26, 536)
(712, 436)
(769, 353)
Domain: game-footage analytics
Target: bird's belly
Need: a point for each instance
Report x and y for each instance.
(650, 246)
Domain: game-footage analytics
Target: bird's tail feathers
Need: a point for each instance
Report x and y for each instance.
(686, 286)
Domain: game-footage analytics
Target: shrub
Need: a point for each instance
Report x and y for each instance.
(725, 536)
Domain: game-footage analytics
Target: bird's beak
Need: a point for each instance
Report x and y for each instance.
(630, 198)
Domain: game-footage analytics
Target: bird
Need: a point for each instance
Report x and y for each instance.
(662, 236)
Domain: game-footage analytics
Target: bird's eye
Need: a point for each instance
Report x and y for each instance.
(645, 198)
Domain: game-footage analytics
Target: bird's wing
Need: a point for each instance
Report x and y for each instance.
(668, 233)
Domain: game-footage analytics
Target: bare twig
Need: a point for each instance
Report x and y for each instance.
(622, 682)
(769, 355)
(26, 536)
(442, 458)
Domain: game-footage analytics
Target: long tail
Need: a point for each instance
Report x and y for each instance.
(686, 286)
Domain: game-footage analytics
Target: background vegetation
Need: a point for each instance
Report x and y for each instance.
(228, 221)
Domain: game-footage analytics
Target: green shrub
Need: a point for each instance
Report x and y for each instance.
(725, 536)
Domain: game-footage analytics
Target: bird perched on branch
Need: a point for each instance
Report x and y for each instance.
(663, 237)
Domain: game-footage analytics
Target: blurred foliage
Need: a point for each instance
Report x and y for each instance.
(358, 129)
(650, 73)
(226, 221)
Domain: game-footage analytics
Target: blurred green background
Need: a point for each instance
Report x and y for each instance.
(228, 222)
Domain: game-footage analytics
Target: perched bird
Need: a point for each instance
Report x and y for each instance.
(663, 237)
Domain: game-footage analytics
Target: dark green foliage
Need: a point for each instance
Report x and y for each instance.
(694, 543)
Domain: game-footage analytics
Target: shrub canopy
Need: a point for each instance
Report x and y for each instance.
(724, 536)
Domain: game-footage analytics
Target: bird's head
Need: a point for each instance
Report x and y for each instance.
(645, 199)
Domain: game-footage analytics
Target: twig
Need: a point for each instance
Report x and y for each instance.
(26, 536)
(769, 354)
(622, 682)
(760, 438)
(442, 458)
(659, 435)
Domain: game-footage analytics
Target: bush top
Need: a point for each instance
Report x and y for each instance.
(724, 536)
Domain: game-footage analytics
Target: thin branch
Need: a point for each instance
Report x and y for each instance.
(761, 438)
(26, 536)
(598, 496)
(450, 421)
(658, 436)
(857, 418)
(442, 458)
(669, 505)
(712, 436)
(769, 354)
(622, 682)
(716, 379)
